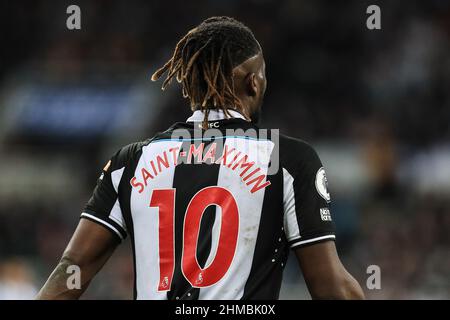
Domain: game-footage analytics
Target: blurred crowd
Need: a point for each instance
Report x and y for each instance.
(375, 104)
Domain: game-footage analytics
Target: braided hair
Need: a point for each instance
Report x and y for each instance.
(203, 62)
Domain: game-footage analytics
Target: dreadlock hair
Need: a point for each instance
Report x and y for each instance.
(203, 62)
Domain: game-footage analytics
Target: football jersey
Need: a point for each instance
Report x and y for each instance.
(213, 214)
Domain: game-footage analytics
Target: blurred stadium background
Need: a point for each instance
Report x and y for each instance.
(376, 105)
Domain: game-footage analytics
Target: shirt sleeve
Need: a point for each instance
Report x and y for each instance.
(307, 218)
(104, 207)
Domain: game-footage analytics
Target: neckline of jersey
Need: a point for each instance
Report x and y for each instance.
(214, 115)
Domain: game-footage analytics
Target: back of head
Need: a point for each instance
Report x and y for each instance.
(203, 62)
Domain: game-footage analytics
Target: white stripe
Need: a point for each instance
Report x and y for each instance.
(116, 211)
(106, 224)
(290, 215)
(313, 240)
(116, 215)
(146, 220)
(116, 176)
(232, 285)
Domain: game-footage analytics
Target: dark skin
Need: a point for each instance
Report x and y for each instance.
(92, 245)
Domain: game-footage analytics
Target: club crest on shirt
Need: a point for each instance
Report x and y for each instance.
(322, 184)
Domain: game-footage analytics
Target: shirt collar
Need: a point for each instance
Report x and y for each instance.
(213, 115)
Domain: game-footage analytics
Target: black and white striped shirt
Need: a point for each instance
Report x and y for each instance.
(212, 216)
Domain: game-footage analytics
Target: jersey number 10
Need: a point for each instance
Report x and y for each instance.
(198, 277)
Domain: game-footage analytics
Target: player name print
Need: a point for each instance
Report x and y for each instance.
(231, 157)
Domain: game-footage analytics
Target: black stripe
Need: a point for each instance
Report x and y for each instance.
(264, 281)
(188, 180)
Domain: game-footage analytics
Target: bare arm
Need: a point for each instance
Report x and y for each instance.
(89, 249)
(324, 273)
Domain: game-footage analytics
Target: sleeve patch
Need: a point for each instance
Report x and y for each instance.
(322, 184)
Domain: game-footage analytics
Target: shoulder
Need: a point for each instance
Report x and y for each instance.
(297, 155)
(297, 146)
(128, 153)
(297, 149)
(132, 152)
